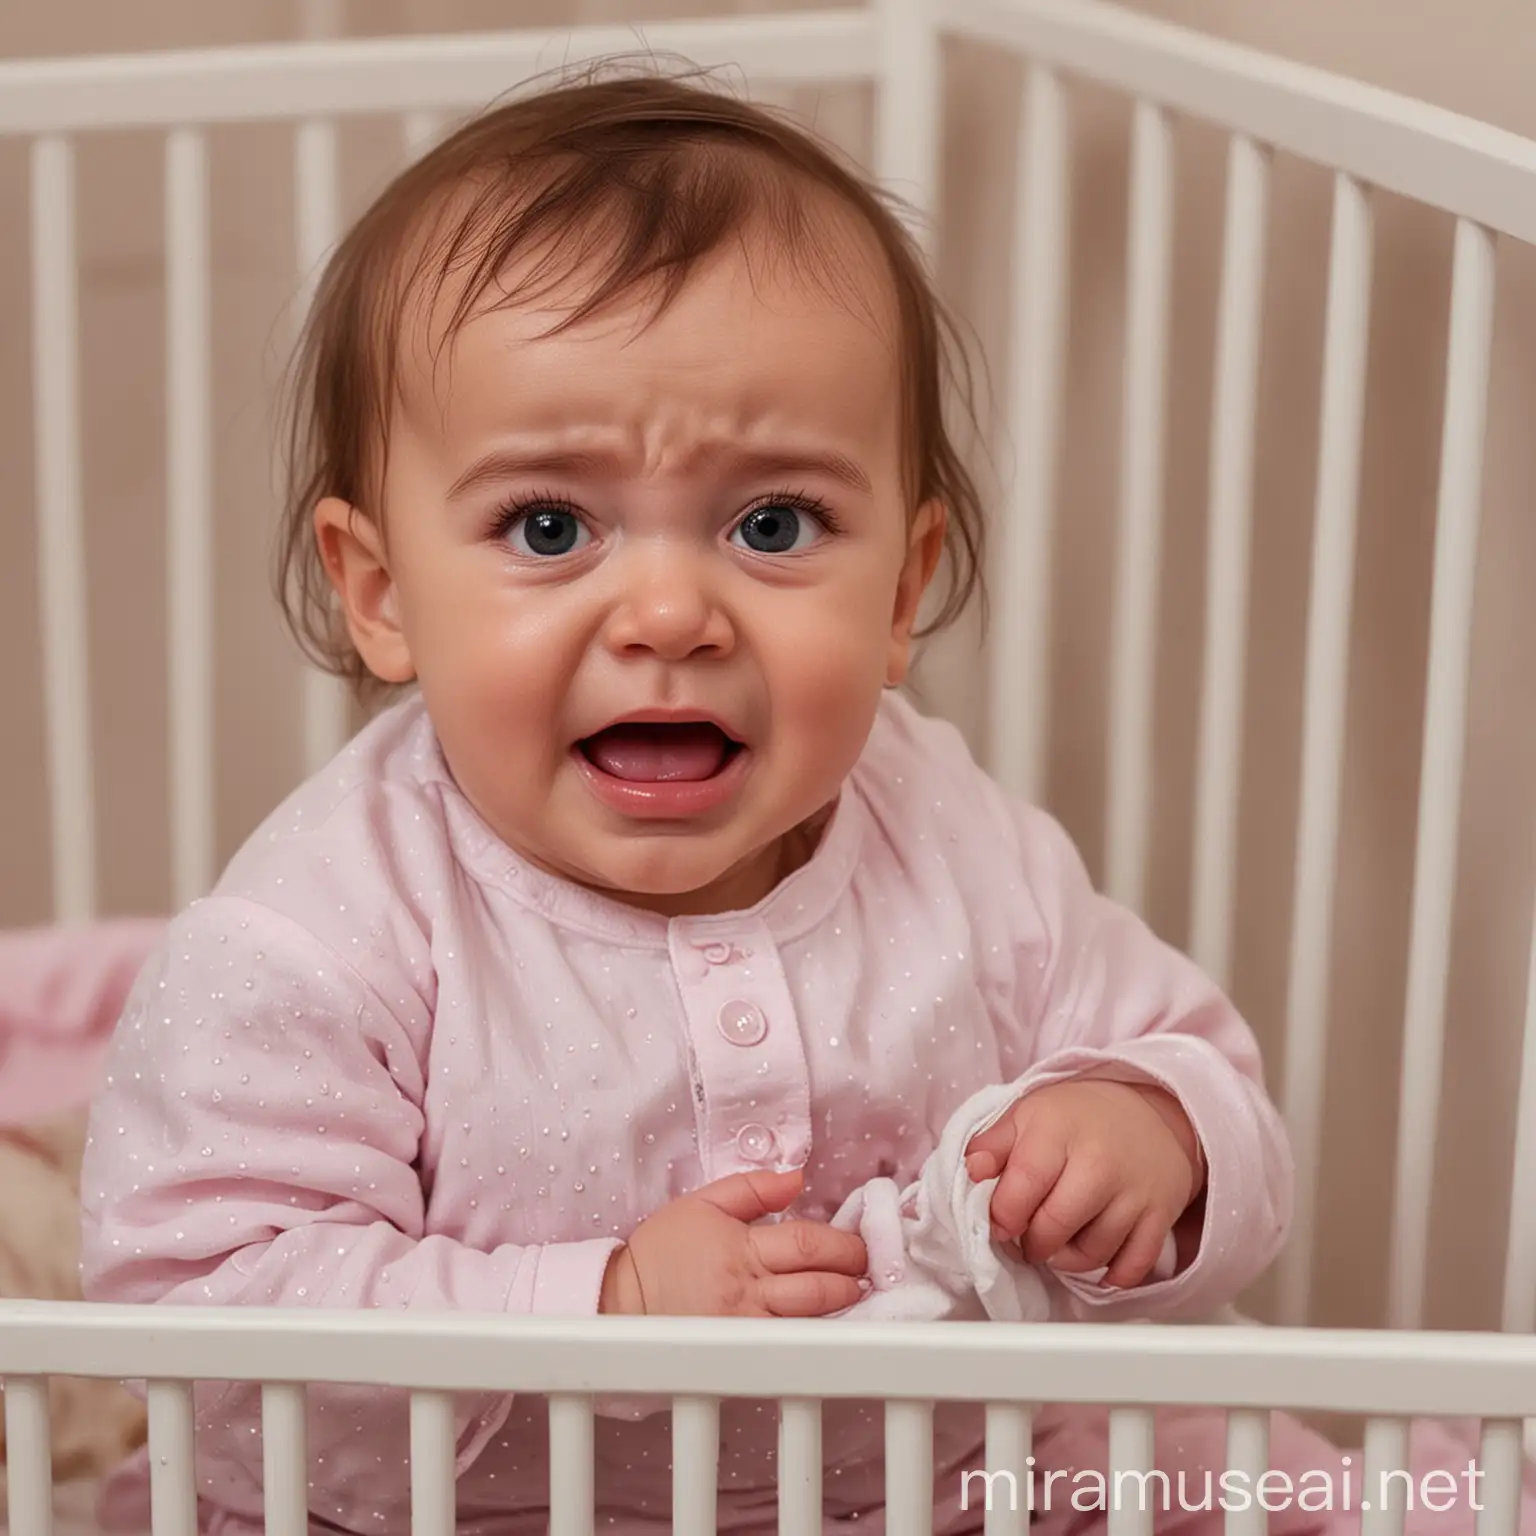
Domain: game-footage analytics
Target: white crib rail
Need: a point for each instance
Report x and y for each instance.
(697, 1362)
(285, 1459)
(1450, 642)
(1322, 743)
(1369, 139)
(61, 526)
(285, 82)
(908, 106)
(28, 1453)
(1019, 692)
(1148, 297)
(1420, 151)
(1233, 415)
(173, 1492)
(189, 536)
(317, 225)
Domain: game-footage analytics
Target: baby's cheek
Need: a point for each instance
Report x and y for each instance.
(494, 674)
(827, 685)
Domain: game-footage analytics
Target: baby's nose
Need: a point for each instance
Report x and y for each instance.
(670, 610)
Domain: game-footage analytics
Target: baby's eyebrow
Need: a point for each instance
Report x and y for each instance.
(508, 463)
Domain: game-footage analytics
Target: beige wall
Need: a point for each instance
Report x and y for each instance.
(1465, 54)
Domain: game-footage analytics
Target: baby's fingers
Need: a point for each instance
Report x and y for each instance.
(794, 1246)
(1095, 1245)
(1141, 1251)
(810, 1293)
(1028, 1180)
(1077, 1198)
(987, 1151)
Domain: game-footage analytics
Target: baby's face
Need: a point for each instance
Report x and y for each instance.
(652, 581)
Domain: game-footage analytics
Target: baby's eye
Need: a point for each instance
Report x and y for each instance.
(547, 531)
(775, 529)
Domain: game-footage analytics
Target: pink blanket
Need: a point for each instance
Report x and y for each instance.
(61, 990)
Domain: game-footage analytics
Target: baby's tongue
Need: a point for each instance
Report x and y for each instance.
(656, 753)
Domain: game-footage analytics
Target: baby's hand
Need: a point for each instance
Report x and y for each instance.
(699, 1257)
(1090, 1173)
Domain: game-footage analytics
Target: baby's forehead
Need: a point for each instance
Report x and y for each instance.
(803, 250)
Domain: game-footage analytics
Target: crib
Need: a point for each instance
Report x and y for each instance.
(1367, 140)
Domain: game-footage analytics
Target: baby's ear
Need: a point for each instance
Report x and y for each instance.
(924, 550)
(352, 551)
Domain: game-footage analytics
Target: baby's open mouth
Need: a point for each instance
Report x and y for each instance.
(660, 752)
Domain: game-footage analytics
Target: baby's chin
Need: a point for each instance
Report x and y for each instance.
(682, 874)
(675, 869)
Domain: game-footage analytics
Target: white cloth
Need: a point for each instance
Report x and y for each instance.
(931, 1251)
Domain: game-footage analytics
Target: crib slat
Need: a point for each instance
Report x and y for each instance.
(1327, 666)
(1234, 409)
(1247, 1454)
(1019, 675)
(189, 536)
(1134, 1499)
(907, 108)
(320, 18)
(1133, 649)
(1383, 1492)
(422, 131)
(695, 1464)
(1499, 1489)
(908, 1468)
(1458, 515)
(318, 202)
(1009, 1436)
(432, 1457)
(799, 1465)
(285, 1459)
(28, 1455)
(571, 1466)
(62, 585)
(1520, 1257)
(172, 1488)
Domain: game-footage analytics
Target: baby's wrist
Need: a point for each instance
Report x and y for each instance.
(621, 1294)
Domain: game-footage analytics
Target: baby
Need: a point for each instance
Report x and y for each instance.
(652, 921)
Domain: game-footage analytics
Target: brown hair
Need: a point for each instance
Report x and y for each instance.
(649, 174)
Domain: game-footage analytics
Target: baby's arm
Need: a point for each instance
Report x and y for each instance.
(1102, 996)
(256, 1145)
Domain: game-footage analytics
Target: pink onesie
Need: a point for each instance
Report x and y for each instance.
(388, 1063)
